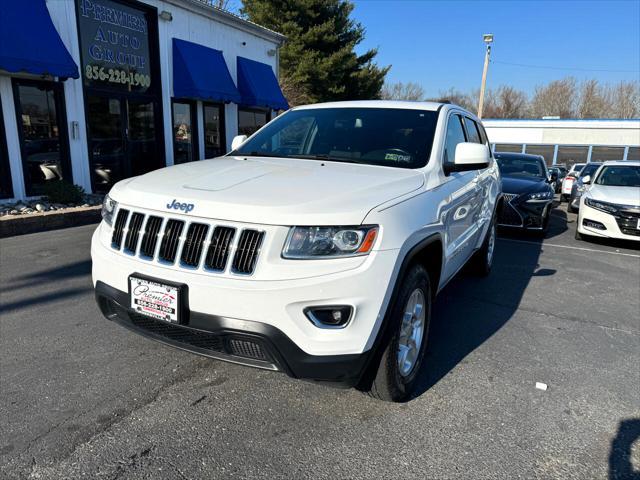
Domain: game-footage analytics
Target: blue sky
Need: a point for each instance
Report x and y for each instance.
(438, 44)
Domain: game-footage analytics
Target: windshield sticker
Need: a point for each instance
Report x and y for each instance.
(397, 157)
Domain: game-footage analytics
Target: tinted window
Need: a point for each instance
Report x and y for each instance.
(508, 147)
(250, 121)
(455, 135)
(520, 166)
(184, 146)
(601, 154)
(634, 153)
(589, 169)
(472, 131)
(570, 155)
(374, 136)
(619, 176)
(546, 151)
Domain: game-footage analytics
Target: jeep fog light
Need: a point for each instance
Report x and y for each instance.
(336, 316)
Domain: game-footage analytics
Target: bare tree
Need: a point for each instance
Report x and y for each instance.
(625, 100)
(556, 98)
(510, 102)
(458, 98)
(593, 102)
(402, 91)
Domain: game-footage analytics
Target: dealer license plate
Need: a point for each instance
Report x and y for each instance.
(155, 299)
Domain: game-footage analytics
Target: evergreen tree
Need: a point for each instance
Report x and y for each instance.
(317, 61)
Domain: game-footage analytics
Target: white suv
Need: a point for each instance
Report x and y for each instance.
(315, 247)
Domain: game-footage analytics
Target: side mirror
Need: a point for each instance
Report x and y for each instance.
(586, 180)
(469, 156)
(237, 141)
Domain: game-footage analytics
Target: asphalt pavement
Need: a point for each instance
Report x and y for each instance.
(81, 397)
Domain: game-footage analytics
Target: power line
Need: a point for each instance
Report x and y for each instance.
(548, 67)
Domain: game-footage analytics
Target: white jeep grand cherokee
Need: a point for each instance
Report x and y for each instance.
(315, 247)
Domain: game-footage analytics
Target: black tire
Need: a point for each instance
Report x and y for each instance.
(570, 209)
(388, 383)
(481, 262)
(578, 235)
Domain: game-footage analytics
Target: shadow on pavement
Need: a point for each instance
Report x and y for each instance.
(620, 466)
(470, 310)
(56, 274)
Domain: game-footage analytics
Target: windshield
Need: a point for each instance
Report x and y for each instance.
(520, 166)
(374, 136)
(619, 176)
(590, 169)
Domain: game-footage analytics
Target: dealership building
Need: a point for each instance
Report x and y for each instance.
(93, 91)
(567, 141)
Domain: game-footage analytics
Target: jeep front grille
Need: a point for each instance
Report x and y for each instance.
(171, 240)
(246, 255)
(192, 248)
(118, 228)
(195, 245)
(218, 252)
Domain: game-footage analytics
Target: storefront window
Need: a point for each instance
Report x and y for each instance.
(6, 188)
(251, 120)
(603, 154)
(43, 140)
(142, 147)
(214, 139)
(570, 155)
(545, 150)
(634, 153)
(508, 147)
(106, 141)
(184, 126)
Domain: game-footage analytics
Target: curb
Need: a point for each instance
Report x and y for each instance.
(13, 225)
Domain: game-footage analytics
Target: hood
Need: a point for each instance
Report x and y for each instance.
(275, 191)
(619, 195)
(519, 185)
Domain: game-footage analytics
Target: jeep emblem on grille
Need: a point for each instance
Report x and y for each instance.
(185, 207)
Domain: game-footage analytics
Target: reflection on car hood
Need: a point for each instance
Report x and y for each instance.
(619, 195)
(519, 185)
(277, 191)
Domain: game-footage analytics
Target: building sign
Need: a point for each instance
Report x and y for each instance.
(114, 41)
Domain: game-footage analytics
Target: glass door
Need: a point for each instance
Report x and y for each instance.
(185, 144)
(107, 151)
(122, 139)
(215, 144)
(43, 133)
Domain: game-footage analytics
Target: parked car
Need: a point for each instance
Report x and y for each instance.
(527, 194)
(567, 182)
(560, 172)
(320, 261)
(610, 207)
(578, 187)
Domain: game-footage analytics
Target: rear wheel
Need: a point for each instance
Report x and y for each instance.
(395, 378)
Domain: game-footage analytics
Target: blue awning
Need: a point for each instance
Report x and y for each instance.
(201, 72)
(258, 85)
(30, 43)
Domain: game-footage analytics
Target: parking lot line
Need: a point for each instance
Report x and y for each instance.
(571, 247)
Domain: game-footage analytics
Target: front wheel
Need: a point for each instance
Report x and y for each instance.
(395, 378)
(482, 260)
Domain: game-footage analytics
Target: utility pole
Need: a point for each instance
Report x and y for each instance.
(488, 39)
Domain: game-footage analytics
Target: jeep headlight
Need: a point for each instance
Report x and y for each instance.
(109, 206)
(539, 196)
(329, 242)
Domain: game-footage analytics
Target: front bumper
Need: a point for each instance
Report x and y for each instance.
(243, 342)
(621, 226)
(525, 215)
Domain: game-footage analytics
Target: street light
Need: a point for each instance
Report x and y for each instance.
(488, 39)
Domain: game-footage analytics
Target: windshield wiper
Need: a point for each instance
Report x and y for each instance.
(324, 156)
(257, 154)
